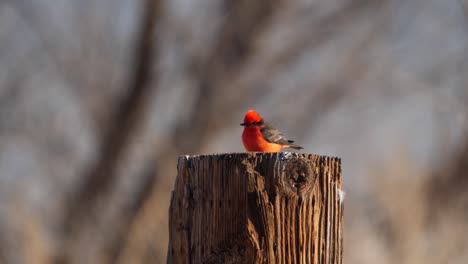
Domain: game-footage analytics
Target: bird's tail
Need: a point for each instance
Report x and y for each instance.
(294, 146)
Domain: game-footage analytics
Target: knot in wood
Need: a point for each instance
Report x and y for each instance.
(299, 175)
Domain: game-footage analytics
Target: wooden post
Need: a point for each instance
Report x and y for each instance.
(257, 208)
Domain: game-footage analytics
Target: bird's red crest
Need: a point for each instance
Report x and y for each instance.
(252, 116)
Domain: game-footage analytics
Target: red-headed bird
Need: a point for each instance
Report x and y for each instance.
(259, 136)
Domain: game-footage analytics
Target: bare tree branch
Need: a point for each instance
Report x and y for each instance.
(99, 180)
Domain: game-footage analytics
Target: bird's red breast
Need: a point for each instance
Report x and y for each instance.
(253, 141)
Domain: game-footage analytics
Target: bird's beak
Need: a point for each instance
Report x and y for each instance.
(243, 124)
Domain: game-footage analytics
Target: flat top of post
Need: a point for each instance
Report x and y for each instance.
(280, 155)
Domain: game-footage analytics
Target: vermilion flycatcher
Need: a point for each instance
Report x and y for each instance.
(259, 136)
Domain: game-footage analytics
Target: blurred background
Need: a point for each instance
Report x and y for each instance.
(98, 98)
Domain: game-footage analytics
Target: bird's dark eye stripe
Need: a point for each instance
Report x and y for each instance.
(259, 123)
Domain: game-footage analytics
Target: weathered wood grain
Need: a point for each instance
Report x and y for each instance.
(256, 208)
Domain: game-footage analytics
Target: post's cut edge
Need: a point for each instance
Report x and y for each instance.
(281, 154)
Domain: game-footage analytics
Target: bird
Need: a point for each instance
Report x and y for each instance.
(260, 136)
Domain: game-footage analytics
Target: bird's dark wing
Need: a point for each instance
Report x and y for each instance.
(272, 135)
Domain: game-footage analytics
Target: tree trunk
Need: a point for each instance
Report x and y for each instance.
(257, 208)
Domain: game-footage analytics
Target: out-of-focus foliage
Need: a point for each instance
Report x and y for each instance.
(98, 98)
